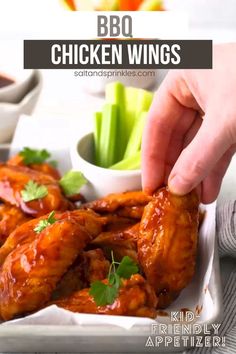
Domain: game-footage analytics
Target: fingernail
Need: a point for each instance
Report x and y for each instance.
(177, 185)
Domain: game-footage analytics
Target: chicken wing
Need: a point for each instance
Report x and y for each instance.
(122, 242)
(31, 271)
(136, 298)
(113, 202)
(44, 167)
(25, 233)
(115, 222)
(168, 242)
(13, 180)
(88, 267)
(10, 218)
(133, 212)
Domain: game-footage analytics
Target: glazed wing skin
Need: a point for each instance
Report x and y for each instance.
(113, 202)
(25, 233)
(136, 298)
(10, 218)
(45, 167)
(168, 242)
(88, 267)
(13, 180)
(122, 242)
(31, 271)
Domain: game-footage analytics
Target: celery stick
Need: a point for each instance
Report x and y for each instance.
(107, 153)
(134, 144)
(115, 94)
(131, 163)
(144, 100)
(131, 94)
(137, 100)
(97, 136)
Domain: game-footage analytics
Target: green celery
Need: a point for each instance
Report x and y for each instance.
(97, 136)
(137, 101)
(131, 94)
(131, 163)
(115, 94)
(107, 151)
(134, 144)
(144, 100)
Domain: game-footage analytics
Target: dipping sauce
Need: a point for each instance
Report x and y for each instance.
(5, 81)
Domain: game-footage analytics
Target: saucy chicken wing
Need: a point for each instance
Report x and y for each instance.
(115, 222)
(13, 180)
(44, 167)
(31, 271)
(133, 212)
(88, 267)
(122, 242)
(136, 298)
(10, 218)
(25, 233)
(168, 243)
(113, 202)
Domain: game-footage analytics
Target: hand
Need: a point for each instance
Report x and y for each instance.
(190, 135)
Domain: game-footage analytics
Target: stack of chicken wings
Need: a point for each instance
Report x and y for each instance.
(52, 251)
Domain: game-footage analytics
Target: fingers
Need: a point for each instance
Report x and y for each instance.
(199, 157)
(212, 183)
(166, 111)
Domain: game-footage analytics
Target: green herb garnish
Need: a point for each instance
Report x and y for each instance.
(53, 163)
(71, 182)
(34, 156)
(105, 294)
(45, 223)
(32, 191)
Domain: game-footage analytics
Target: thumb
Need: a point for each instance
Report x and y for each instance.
(199, 157)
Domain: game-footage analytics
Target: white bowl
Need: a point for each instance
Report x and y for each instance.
(10, 112)
(101, 181)
(14, 92)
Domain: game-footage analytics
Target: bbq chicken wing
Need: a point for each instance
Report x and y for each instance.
(25, 233)
(13, 180)
(114, 202)
(136, 298)
(167, 243)
(44, 167)
(10, 218)
(122, 242)
(31, 271)
(115, 222)
(90, 266)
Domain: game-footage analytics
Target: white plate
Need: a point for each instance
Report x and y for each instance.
(69, 332)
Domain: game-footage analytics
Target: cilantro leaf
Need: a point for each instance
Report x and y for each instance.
(34, 156)
(127, 267)
(45, 223)
(53, 163)
(103, 294)
(114, 280)
(71, 182)
(32, 191)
